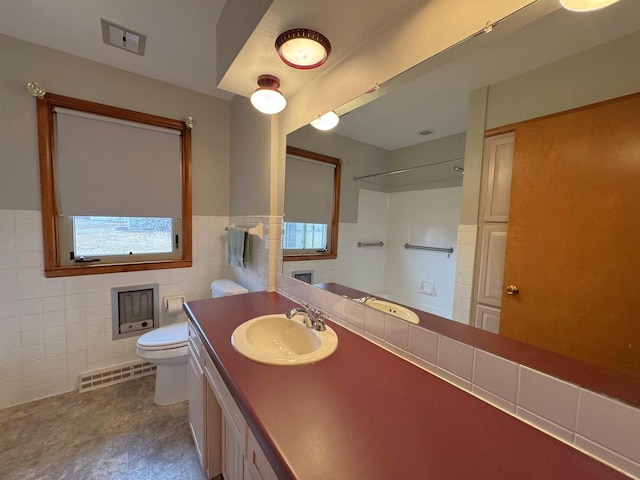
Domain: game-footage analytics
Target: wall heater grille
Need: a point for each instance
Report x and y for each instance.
(116, 374)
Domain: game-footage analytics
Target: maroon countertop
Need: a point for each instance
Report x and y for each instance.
(364, 413)
(614, 384)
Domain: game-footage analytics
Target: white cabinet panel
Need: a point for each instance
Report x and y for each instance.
(488, 318)
(498, 153)
(492, 255)
(197, 406)
(232, 451)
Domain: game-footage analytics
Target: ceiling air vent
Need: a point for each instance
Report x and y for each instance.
(122, 37)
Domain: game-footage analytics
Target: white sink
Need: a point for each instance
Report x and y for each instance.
(393, 309)
(277, 340)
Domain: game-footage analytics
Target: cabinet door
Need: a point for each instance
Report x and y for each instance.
(498, 153)
(196, 406)
(213, 433)
(488, 318)
(492, 255)
(232, 450)
(256, 465)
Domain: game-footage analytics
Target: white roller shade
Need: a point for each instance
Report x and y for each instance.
(111, 167)
(309, 191)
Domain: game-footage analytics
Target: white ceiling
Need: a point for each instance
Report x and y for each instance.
(181, 35)
(439, 100)
(346, 23)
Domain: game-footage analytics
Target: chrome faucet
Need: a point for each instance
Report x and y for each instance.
(313, 318)
(365, 299)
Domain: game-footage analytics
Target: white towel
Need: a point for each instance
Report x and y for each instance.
(236, 246)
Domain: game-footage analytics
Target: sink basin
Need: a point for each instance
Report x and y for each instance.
(393, 309)
(277, 340)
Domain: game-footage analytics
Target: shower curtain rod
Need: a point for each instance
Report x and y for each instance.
(402, 170)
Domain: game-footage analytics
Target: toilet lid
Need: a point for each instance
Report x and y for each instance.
(169, 336)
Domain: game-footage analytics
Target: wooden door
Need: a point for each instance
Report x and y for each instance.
(573, 248)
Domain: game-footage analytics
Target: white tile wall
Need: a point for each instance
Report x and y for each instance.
(464, 273)
(600, 426)
(52, 329)
(265, 254)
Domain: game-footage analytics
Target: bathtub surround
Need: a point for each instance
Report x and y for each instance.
(420, 217)
(53, 329)
(591, 422)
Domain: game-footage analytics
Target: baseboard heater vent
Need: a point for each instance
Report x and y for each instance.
(116, 374)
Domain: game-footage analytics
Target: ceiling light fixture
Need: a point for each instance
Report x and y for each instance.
(303, 48)
(586, 5)
(326, 121)
(426, 133)
(267, 98)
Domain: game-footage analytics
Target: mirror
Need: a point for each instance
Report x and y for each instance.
(424, 122)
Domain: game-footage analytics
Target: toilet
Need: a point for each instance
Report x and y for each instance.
(166, 347)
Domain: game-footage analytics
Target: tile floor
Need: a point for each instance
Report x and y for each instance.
(114, 433)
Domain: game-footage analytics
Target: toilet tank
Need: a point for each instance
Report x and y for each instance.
(226, 288)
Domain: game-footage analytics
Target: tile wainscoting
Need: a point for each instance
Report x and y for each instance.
(600, 426)
(52, 329)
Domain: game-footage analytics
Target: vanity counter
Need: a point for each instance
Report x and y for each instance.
(364, 413)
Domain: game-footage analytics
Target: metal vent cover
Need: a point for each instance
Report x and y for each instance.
(122, 37)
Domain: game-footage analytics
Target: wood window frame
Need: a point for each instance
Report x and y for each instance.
(332, 248)
(50, 213)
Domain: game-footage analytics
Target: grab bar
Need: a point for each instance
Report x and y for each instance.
(434, 249)
(374, 244)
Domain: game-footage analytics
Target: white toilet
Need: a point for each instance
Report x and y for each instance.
(166, 347)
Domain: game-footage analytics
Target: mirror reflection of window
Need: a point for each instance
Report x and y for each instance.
(311, 205)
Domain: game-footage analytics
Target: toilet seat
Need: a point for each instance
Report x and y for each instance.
(167, 338)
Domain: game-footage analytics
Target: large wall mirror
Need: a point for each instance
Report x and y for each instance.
(403, 159)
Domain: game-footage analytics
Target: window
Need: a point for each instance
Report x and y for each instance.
(312, 200)
(116, 188)
(306, 237)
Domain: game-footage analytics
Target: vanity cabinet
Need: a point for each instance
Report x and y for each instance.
(228, 447)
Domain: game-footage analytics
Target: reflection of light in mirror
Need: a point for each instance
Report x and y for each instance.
(586, 5)
(326, 122)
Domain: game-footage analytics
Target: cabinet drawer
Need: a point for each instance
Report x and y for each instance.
(256, 461)
(194, 340)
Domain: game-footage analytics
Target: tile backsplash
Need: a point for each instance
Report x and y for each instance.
(604, 428)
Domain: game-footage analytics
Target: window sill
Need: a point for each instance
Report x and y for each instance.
(309, 256)
(53, 272)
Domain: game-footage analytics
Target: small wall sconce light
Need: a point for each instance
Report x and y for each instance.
(267, 98)
(586, 5)
(326, 121)
(190, 122)
(35, 89)
(303, 48)
(459, 170)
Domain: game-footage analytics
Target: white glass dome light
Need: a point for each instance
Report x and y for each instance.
(267, 98)
(586, 5)
(326, 121)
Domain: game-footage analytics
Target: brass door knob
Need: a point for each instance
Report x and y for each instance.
(512, 290)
